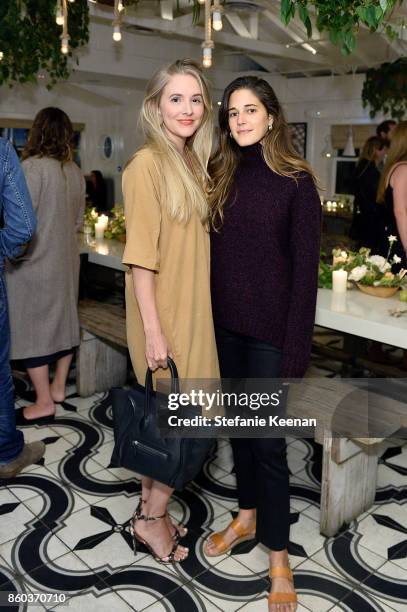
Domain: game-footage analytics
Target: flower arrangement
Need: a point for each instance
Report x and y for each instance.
(370, 270)
(364, 268)
(90, 218)
(117, 224)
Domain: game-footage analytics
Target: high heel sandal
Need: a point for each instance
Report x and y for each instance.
(177, 536)
(278, 597)
(167, 559)
(242, 535)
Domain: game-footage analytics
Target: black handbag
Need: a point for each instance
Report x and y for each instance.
(139, 446)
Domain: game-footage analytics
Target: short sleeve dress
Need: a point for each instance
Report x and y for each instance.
(179, 255)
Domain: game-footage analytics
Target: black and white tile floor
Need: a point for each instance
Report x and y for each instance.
(64, 528)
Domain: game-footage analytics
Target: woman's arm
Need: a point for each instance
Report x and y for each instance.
(399, 183)
(305, 239)
(157, 348)
(19, 218)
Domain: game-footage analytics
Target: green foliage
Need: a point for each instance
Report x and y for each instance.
(30, 39)
(117, 224)
(341, 19)
(385, 89)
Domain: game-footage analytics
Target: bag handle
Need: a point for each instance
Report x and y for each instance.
(149, 384)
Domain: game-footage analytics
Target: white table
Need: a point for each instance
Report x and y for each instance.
(353, 313)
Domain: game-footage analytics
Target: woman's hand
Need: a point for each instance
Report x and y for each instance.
(157, 350)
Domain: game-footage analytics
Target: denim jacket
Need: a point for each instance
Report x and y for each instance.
(15, 205)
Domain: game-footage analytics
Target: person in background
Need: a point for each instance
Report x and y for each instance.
(17, 229)
(168, 303)
(43, 290)
(392, 193)
(98, 191)
(385, 130)
(365, 228)
(266, 215)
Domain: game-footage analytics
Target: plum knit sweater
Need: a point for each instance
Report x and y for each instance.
(264, 260)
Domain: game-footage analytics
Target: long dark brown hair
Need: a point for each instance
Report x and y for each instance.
(51, 135)
(278, 151)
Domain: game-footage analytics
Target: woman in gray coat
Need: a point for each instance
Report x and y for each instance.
(43, 288)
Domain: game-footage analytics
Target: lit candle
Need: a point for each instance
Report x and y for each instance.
(99, 230)
(339, 281)
(104, 220)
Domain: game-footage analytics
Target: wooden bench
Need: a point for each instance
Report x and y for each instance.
(102, 355)
(349, 464)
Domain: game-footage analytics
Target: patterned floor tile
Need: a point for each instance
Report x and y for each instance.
(63, 526)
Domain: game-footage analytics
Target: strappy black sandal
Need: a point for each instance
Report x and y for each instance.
(177, 536)
(167, 559)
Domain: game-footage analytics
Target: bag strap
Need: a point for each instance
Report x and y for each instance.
(149, 383)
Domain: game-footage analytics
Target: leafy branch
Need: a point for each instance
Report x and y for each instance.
(341, 18)
(30, 40)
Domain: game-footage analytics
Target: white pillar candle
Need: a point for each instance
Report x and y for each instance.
(104, 219)
(339, 281)
(99, 230)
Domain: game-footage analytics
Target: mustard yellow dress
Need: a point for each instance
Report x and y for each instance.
(179, 255)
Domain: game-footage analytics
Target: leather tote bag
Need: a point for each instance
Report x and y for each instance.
(139, 446)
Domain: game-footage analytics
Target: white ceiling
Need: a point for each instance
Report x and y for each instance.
(254, 38)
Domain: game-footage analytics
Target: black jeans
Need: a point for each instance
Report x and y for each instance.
(260, 463)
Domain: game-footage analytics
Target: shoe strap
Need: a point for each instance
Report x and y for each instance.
(238, 528)
(143, 517)
(281, 572)
(282, 598)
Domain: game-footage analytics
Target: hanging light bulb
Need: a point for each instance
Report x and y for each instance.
(1, 56)
(328, 151)
(217, 11)
(117, 35)
(207, 54)
(65, 45)
(60, 15)
(349, 150)
(120, 6)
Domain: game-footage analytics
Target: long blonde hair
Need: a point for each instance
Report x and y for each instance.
(397, 153)
(184, 180)
(278, 151)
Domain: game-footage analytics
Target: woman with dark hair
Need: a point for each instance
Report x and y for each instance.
(266, 215)
(366, 218)
(43, 288)
(98, 193)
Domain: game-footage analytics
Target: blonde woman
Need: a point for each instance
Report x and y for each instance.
(167, 250)
(392, 192)
(265, 254)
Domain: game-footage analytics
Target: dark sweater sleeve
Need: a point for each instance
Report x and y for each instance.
(305, 239)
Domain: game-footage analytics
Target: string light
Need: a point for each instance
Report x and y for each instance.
(1, 56)
(118, 10)
(217, 11)
(208, 43)
(60, 14)
(117, 35)
(65, 34)
(65, 45)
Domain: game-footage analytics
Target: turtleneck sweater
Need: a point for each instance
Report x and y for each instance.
(264, 259)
